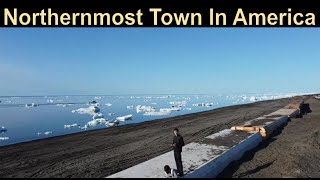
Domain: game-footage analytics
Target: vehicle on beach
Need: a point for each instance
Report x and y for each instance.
(317, 97)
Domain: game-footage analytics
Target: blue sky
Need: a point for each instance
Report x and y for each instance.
(158, 60)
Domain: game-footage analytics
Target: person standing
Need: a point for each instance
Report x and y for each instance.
(177, 145)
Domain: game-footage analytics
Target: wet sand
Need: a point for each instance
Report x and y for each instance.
(99, 153)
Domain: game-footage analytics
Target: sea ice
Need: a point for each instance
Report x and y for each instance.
(141, 108)
(161, 113)
(123, 118)
(92, 110)
(98, 116)
(48, 133)
(4, 138)
(3, 130)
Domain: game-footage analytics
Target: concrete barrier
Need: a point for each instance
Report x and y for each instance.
(266, 125)
(292, 113)
(203, 159)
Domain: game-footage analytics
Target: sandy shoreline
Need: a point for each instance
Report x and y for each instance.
(99, 153)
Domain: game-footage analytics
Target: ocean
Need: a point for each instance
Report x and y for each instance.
(28, 118)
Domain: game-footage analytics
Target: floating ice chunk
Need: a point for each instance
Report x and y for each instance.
(97, 97)
(92, 123)
(39, 133)
(114, 123)
(253, 98)
(90, 110)
(178, 104)
(49, 101)
(124, 118)
(203, 104)
(170, 109)
(108, 104)
(4, 138)
(47, 133)
(3, 130)
(31, 105)
(85, 127)
(161, 113)
(153, 103)
(101, 121)
(98, 116)
(111, 114)
(129, 107)
(187, 109)
(71, 126)
(141, 108)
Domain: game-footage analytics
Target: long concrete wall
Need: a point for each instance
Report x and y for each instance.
(205, 158)
(208, 157)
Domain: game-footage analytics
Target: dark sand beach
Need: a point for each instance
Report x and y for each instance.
(295, 152)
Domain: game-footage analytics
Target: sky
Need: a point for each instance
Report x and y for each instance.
(110, 61)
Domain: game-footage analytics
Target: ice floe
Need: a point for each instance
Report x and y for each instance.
(124, 118)
(98, 116)
(160, 113)
(129, 107)
(111, 124)
(3, 130)
(203, 104)
(4, 138)
(111, 114)
(31, 105)
(71, 126)
(178, 104)
(49, 101)
(170, 109)
(92, 110)
(141, 108)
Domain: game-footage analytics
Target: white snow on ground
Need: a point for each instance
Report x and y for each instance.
(193, 155)
(222, 133)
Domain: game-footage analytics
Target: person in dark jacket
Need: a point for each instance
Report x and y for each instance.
(177, 145)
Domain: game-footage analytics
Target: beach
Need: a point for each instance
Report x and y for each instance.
(99, 153)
